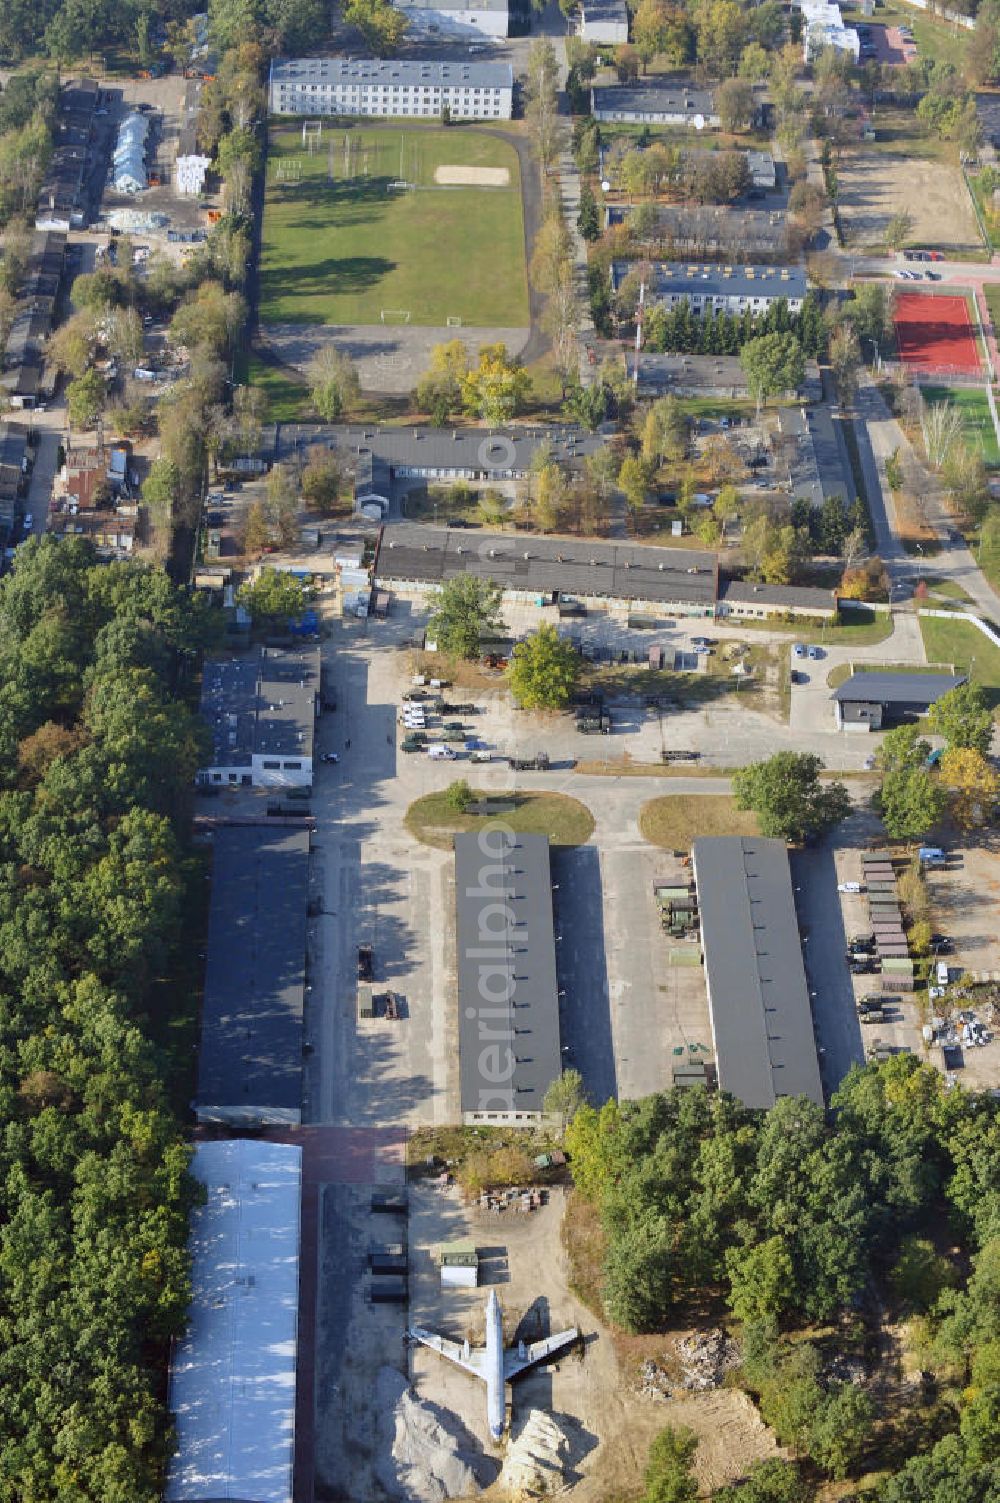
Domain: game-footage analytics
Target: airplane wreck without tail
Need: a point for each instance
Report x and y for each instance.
(491, 1363)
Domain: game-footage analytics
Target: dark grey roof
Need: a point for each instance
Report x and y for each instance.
(897, 688)
(508, 1004)
(804, 597)
(655, 99)
(262, 702)
(605, 10)
(686, 279)
(757, 991)
(500, 452)
(573, 566)
(297, 71)
(251, 1031)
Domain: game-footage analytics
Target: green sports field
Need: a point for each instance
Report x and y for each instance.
(975, 410)
(343, 246)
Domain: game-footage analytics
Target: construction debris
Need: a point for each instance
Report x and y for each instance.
(653, 1381)
(705, 1357)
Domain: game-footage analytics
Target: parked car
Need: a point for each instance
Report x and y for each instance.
(366, 963)
(441, 753)
(798, 650)
(814, 652)
(29, 521)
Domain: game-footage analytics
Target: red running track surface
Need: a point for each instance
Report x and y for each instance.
(935, 333)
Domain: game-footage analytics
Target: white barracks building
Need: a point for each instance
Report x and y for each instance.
(388, 88)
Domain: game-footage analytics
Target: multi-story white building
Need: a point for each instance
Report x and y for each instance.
(721, 289)
(464, 18)
(389, 88)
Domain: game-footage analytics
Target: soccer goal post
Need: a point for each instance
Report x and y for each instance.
(453, 323)
(394, 315)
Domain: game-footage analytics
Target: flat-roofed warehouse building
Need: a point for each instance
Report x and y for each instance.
(508, 996)
(387, 88)
(758, 997)
(867, 701)
(250, 1060)
(674, 103)
(261, 710)
(539, 570)
(232, 1376)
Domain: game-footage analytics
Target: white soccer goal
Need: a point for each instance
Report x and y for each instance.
(312, 134)
(288, 170)
(394, 315)
(453, 323)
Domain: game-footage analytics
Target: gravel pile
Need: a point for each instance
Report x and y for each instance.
(419, 1460)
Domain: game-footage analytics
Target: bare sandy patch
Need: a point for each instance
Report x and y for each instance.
(472, 177)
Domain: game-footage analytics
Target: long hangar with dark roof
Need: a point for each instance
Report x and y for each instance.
(508, 1001)
(536, 567)
(758, 996)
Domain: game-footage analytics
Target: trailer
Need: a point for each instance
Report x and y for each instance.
(392, 1289)
(388, 1258)
(389, 1202)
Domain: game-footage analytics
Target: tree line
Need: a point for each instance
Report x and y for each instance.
(794, 1218)
(98, 754)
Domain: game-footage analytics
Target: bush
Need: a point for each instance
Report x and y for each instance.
(458, 796)
(495, 1169)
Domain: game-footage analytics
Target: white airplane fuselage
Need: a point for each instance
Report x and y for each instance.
(495, 1405)
(490, 1363)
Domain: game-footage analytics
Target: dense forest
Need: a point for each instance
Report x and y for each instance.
(812, 1229)
(67, 30)
(97, 754)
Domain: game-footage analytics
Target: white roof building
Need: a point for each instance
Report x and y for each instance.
(232, 1379)
(189, 173)
(129, 161)
(823, 26)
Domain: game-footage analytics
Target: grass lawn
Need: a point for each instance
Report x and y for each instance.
(339, 245)
(975, 409)
(563, 819)
(959, 643)
(950, 589)
(986, 209)
(675, 820)
(287, 401)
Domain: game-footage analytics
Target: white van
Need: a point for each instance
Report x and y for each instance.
(942, 973)
(441, 753)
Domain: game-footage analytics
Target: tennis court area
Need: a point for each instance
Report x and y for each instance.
(935, 333)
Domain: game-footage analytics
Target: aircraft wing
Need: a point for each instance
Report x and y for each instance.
(473, 1362)
(519, 1358)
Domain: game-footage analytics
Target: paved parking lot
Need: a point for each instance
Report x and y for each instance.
(828, 920)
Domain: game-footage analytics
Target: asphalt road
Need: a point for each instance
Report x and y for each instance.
(824, 943)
